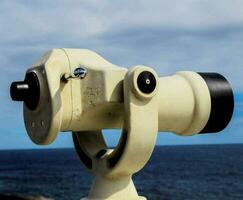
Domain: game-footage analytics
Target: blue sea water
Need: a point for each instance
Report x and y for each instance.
(174, 172)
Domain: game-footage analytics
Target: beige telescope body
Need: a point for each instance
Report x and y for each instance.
(77, 90)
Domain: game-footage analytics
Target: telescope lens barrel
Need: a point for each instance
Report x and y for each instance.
(222, 102)
(27, 91)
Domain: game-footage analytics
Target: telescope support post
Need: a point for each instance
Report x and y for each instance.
(113, 168)
(120, 188)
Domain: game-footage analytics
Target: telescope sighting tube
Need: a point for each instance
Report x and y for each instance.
(56, 98)
(191, 102)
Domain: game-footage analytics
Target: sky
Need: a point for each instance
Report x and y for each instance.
(169, 36)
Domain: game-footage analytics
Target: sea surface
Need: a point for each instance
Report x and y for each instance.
(174, 172)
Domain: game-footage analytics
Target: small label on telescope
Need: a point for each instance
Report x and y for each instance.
(80, 72)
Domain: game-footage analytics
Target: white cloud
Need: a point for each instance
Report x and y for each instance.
(169, 35)
(78, 19)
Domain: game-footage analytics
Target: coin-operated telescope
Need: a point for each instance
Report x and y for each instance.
(77, 90)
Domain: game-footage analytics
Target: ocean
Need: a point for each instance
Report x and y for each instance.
(195, 172)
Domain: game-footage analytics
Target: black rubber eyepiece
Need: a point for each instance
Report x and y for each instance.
(146, 82)
(222, 102)
(27, 91)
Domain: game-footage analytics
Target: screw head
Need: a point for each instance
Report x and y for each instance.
(146, 82)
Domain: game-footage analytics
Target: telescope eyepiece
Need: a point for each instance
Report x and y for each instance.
(27, 91)
(19, 90)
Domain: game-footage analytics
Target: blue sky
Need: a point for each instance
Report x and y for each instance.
(198, 35)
